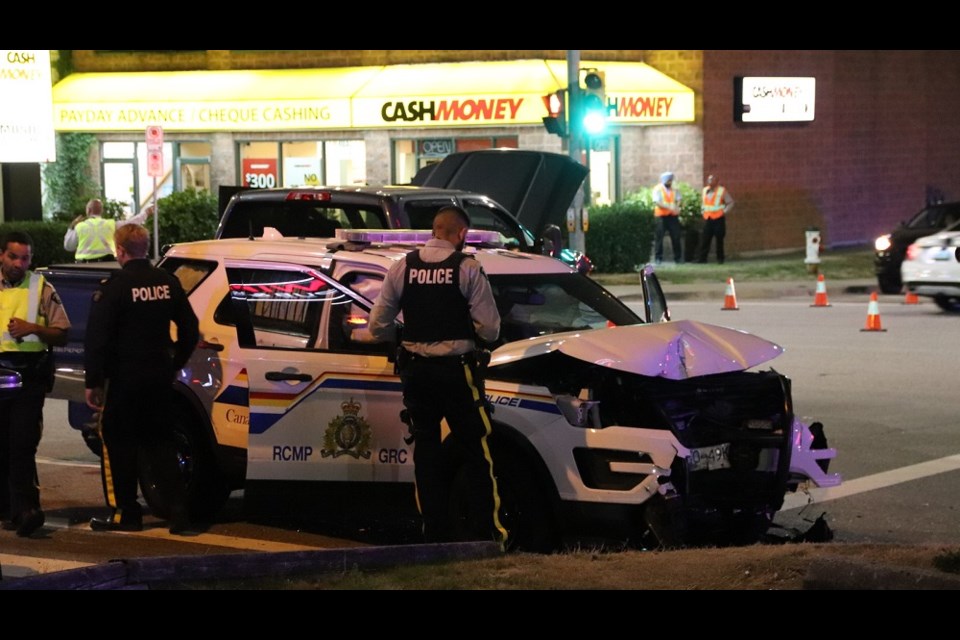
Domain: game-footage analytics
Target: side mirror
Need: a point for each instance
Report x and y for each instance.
(551, 241)
(654, 300)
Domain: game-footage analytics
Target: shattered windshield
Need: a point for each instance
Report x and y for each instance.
(536, 305)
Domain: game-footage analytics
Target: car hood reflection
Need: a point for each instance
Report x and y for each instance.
(674, 350)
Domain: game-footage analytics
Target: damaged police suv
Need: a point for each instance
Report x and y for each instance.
(606, 421)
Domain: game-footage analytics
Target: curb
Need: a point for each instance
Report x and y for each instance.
(142, 573)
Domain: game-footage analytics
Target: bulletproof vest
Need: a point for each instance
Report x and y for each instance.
(433, 306)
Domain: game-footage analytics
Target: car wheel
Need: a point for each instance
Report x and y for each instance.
(524, 507)
(91, 438)
(948, 303)
(889, 283)
(666, 525)
(207, 489)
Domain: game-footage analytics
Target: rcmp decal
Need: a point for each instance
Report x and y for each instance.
(347, 434)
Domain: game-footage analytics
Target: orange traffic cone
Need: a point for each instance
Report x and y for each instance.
(730, 299)
(911, 298)
(820, 298)
(873, 314)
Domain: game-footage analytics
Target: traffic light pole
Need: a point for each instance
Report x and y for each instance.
(575, 146)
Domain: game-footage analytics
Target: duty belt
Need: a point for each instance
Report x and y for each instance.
(462, 357)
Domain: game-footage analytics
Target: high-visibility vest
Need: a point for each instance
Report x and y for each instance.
(713, 204)
(668, 197)
(95, 238)
(22, 301)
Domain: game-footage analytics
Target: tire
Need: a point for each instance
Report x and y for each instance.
(889, 283)
(665, 526)
(91, 438)
(950, 304)
(207, 489)
(525, 509)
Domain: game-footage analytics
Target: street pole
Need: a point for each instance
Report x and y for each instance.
(575, 131)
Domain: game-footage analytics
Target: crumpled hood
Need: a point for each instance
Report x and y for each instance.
(675, 350)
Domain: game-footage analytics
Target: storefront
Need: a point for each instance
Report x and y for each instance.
(352, 125)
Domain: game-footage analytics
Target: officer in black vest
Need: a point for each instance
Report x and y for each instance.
(131, 364)
(447, 305)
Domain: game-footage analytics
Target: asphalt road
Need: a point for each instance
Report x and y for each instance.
(886, 399)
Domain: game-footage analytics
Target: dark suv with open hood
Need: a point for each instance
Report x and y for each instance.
(539, 186)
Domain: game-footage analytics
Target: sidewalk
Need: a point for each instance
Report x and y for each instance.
(746, 290)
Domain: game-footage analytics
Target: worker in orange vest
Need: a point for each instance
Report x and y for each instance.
(666, 212)
(717, 202)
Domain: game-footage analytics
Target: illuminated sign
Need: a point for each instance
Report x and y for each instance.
(774, 99)
(447, 95)
(26, 107)
(258, 115)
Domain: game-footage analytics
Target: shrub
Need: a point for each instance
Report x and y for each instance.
(620, 236)
(47, 240)
(186, 216)
(67, 182)
(691, 205)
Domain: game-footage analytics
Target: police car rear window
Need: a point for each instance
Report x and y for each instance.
(190, 273)
(295, 219)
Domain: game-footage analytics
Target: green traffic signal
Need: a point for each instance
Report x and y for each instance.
(594, 115)
(593, 103)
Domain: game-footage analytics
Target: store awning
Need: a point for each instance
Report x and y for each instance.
(466, 94)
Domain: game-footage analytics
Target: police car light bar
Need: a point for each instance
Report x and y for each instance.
(412, 236)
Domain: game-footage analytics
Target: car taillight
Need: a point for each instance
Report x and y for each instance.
(912, 252)
(319, 196)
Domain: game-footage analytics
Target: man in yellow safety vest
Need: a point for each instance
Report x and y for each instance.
(666, 213)
(717, 202)
(90, 236)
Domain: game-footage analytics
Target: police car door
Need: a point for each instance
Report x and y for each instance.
(324, 403)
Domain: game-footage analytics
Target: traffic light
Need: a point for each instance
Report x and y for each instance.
(556, 121)
(593, 103)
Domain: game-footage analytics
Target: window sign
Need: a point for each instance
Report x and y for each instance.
(26, 107)
(774, 99)
(301, 172)
(436, 148)
(260, 173)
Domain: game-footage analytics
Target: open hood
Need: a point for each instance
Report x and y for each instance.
(675, 350)
(535, 186)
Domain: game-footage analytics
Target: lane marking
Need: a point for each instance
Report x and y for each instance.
(869, 483)
(68, 463)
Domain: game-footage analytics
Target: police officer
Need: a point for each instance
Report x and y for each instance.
(447, 305)
(90, 236)
(131, 364)
(32, 319)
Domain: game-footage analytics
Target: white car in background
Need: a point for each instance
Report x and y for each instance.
(932, 268)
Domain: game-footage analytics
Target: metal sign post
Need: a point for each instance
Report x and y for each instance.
(155, 169)
(575, 129)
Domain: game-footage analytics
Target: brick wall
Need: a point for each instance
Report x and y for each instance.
(878, 139)
(93, 60)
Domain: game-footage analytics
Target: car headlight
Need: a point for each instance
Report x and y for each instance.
(882, 243)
